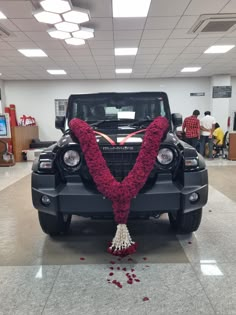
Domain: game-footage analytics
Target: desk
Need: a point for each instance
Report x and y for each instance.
(232, 146)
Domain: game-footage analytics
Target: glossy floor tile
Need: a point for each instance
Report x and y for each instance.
(179, 274)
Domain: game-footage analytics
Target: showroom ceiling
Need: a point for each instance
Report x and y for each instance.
(163, 38)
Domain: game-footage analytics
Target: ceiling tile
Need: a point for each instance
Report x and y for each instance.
(171, 50)
(187, 21)
(5, 46)
(230, 7)
(100, 24)
(24, 45)
(9, 26)
(167, 7)
(103, 52)
(181, 42)
(161, 23)
(29, 25)
(17, 37)
(128, 23)
(126, 43)
(103, 35)
(101, 8)
(101, 44)
(156, 34)
(152, 43)
(119, 35)
(39, 36)
(16, 9)
(54, 44)
(148, 51)
(205, 7)
(181, 33)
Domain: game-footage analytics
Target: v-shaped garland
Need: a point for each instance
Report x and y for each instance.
(120, 193)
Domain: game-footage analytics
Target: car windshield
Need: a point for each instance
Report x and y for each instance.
(117, 107)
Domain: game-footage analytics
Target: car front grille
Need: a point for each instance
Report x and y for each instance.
(120, 163)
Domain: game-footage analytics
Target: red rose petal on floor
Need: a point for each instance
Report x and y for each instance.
(124, 269)
(119, 285)
(137, 280)
(82, 258)
(127, 274)
(111, 274)
(130, 281)
(118, 268)
(132, 270)
(112, 262)
(114, 281)
(145, 299)
(190, 242)
(134, 276)
(144, 258)
(111, 268)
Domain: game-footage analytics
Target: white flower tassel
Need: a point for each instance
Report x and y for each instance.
(122, 244)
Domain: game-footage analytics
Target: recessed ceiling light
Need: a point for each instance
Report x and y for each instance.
(2, 16)
(191, 69)
(218, 49)
(67, 27)
(130, 8)
(32, 52)
(59, 6)
(75, 41)
(84, 33)
(125, 51)
(53, 32)
(47, 17)
(56, 72)
(77, 16)
(123, 70)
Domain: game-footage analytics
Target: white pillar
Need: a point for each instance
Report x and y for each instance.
(220, 107)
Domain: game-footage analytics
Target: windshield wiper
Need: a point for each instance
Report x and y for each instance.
(141, 122)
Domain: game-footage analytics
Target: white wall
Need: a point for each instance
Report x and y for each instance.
(36, 98)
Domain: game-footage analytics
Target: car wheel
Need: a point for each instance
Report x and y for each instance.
(54, 224)
(185, 222)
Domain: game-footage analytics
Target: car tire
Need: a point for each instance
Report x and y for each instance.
(185, 223)
(54, 225)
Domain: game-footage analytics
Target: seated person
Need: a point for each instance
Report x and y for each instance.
(218, 139)
(218, 135)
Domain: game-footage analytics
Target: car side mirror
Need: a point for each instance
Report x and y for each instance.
(177, 120)
(60, 123)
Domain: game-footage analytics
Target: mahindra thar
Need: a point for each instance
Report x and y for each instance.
(62, 185)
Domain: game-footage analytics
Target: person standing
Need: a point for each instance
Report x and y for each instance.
(207, 128)
(191, 128)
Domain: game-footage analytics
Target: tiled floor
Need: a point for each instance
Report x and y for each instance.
(178, 274)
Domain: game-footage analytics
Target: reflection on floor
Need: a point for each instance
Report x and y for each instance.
(191, 274)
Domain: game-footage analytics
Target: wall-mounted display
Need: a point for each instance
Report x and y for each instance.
(222, 91)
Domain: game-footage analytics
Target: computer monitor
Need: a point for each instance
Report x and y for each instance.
(5, 131)
(3, 126)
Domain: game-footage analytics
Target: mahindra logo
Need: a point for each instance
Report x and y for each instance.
(118, 148)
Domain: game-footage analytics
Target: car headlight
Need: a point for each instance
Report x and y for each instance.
(165, 156)
(71, 158)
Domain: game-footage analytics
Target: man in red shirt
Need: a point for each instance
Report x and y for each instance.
(191, 127)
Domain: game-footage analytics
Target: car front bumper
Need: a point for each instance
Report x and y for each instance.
(164, 196)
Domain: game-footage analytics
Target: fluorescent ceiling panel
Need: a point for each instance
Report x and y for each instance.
(56, 6)
(32, 52)
(75, 41)
(2, 16)
(77, 16)
(130, 8)
(126, 51)
(84, 33)
(123, 70)
(67, 27)
(56, 72)
(191, 69)
(58, 34)
(47, 17)
(218, 49)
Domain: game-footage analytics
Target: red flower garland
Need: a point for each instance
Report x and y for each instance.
(120, 193)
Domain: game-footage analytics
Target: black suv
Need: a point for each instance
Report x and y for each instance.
(62, 185)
